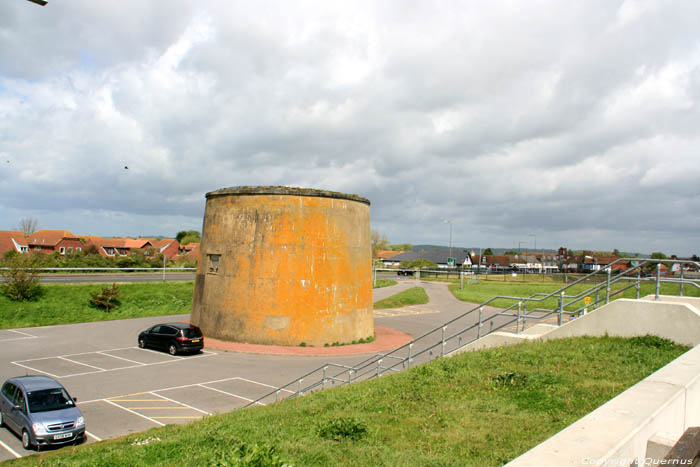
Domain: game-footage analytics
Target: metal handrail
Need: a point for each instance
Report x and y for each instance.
(372, 366)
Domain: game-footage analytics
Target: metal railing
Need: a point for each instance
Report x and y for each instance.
(469, 325)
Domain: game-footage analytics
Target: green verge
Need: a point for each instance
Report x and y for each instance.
(485, 290)
(478, 408)
(384, 283)
(412, 296)
(65, 304)
(69, 303)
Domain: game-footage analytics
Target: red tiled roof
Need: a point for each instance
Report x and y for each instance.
(48, 237)
(137, 243)
(6, 237)
(193, 252)
(387, 254)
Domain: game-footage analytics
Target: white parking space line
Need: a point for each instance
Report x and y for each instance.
(161, 353)
(10, 450)
(262, 384)
(81, 363)
(23, 334)
(120, 358)
(181, 403)
(34, 369)
(96, 438)
(228, 393)
(22, 363)
(135, 413)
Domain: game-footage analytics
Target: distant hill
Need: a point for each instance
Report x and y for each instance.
(496, 251)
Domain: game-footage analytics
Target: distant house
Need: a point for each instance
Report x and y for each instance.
(438, 257)
(11, 240)
(189, 252)
(168, 247)
(387, 257)
(49, 241)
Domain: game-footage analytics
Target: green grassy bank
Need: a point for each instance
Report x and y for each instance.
(484, 290)
(69, 303)
(412, 296)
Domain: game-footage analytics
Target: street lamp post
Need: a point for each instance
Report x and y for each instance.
(450, 256)
(520, 243)
(535, 248)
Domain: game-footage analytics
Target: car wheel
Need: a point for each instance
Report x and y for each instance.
(142, 343)
(26, 441)
(172, 350)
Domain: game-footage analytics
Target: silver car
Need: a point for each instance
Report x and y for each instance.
(41, 411)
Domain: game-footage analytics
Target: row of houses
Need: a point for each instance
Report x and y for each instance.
(64, 242)
(531, 262)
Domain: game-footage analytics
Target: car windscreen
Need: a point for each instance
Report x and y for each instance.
(192, 332)
(48, 399)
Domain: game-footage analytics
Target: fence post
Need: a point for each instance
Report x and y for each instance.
(417, 274)
(681, 288)
(442, 352)
(517, 327)
(561, 308)
(277, 395)
(323, 382)
(658, 279)
(524, 315)
(374, 276)
(639, 281)
(164, 258)
(607, 286)
(478, 329)
(379, 367)
(461, 280)
(350, 376)
(299, 391)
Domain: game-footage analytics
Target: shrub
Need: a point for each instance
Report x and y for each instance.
(21, 278)
(342, 427)
(257, 454)
(417, 263)
(108, 299)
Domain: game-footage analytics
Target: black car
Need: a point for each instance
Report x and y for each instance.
(174, 337)
(405, 272)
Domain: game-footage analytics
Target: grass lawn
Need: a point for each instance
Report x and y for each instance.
(69, 303)
(478, 408)
(384, 283)
(412, 296)
(484, 290)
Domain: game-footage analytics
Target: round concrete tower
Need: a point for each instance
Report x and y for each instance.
(285, 266)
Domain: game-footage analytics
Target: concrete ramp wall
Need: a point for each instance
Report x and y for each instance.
(676, 320)
(628, 429)
(640, 425)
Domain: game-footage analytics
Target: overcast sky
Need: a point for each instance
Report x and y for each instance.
(575, 122)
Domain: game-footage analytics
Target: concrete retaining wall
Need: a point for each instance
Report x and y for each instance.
(628, 429)
(663, 405)
(678, 321)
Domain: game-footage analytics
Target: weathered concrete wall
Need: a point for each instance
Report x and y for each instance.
(619, 432)
(294, 267)
(678, 321)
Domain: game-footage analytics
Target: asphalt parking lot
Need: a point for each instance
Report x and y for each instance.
(122, 389)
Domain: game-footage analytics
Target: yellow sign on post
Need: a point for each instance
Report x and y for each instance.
(587, 301)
